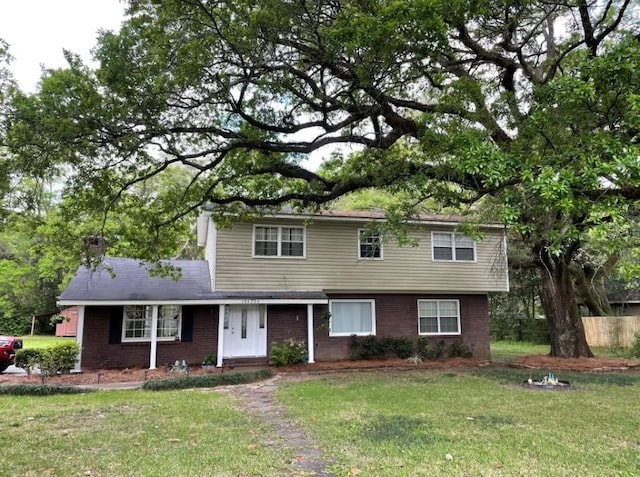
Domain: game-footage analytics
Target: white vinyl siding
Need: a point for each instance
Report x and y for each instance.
(449, 246)
(369, 245)
(136, 325)
(352, 317)
(438, 317)
(276, 241)
(331, 262)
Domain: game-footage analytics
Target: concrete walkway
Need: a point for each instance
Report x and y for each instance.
(260, 401)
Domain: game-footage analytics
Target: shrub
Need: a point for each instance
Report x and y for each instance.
(427, 350)
(291, 352)
(206, 380)
(403, 347)
(634, 351)
(366, 348)
(460, 349)
(28, 359)
(60, 358)
(370, 347)
(40, 390)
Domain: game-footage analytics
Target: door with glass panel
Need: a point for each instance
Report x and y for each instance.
(245, 331)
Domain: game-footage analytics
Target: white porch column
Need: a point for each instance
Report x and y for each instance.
(221, 309)
(310, 339)
(79, 336)
(153, 355)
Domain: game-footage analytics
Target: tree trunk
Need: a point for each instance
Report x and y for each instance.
(561, 308)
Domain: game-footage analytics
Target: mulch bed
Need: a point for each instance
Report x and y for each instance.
(542, 362)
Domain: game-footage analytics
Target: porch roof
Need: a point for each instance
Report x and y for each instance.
(128, 280)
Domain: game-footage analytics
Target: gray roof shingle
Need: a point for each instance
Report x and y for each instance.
(126, 279)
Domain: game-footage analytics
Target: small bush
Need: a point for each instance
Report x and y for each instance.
(291, 352)
(366, 348)
(28, 359)
(429, 350)
(634, 351)
(403, 347)
(59, 359)
(206, 381)
(371, 347)
(460, 349)
(40, 390)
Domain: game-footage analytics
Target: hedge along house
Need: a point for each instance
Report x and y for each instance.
(320, 278)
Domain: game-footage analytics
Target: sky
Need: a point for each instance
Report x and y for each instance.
(38, 30)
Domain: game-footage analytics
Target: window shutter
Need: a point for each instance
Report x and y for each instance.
(187, 324)
(115, 325)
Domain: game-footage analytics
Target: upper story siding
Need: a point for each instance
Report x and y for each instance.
(331, 262)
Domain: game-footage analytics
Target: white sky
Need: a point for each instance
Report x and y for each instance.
(38, 30)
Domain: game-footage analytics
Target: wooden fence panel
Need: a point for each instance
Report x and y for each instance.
(611, 331)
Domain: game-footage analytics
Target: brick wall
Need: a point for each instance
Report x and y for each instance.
(397, 315)
(98, 353)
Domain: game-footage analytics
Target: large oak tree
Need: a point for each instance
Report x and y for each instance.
(535, 102)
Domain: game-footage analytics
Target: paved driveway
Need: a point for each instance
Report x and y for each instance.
(15, 371)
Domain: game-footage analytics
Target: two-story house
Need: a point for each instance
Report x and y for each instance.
(320, 278)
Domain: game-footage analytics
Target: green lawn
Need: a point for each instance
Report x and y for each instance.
(391, 424)
(387, 423)
(135, 433)
(504, 351)
(42, 341)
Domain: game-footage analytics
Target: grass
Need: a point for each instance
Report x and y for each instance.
(389, 424)
(43, 341)
(135, 433)
(505, 351)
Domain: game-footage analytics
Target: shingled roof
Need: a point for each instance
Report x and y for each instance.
(127, 279)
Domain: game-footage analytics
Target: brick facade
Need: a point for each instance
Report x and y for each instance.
(396, 315)
(98, 353)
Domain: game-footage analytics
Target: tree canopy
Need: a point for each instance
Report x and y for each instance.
(535, 103)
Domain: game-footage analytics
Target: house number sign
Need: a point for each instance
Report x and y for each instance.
(251, 300)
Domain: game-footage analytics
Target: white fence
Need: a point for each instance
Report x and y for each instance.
(611, 331)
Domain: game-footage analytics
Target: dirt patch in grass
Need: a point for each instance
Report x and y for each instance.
(538, 361)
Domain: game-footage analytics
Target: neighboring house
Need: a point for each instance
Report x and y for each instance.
(277, 277)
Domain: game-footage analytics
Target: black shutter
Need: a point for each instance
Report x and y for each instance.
(187, 324)
(115, 325)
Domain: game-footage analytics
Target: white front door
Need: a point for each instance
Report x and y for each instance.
(245, 331)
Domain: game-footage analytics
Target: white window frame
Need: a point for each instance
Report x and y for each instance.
(354, 300)
(454, 258)
(439, 333)
(369, 233)
(148, 310)
(279, 253)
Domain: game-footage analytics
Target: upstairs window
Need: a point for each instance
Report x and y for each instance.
(453, 247)
(271, 241)
(369, 245)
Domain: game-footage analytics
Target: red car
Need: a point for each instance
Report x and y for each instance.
(8, 347)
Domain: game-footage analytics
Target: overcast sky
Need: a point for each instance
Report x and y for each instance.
(38, 30)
